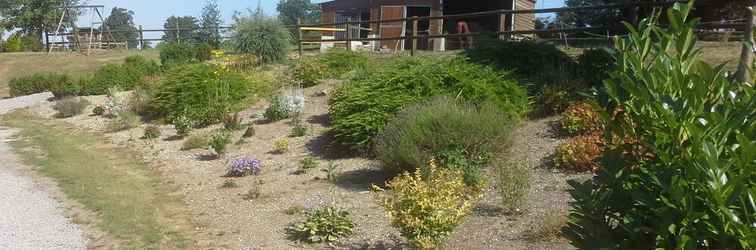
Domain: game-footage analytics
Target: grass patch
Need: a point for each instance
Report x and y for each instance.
(131, 203)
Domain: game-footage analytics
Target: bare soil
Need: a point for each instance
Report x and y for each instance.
(227, 221)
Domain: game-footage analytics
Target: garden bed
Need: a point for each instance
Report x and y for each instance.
(254, 211)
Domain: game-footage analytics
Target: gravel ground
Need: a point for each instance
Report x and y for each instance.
(29, 217)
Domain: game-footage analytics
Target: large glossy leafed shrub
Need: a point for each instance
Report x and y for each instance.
(201, 93)
(459, 135)
(697, 190)
(361, 108)
(540, 63)
(426, 206)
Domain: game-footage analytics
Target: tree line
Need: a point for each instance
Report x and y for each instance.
(28, 20)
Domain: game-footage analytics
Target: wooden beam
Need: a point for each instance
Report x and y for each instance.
(746, 55)
(321, 29)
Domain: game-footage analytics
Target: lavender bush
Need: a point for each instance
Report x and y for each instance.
(244, 166)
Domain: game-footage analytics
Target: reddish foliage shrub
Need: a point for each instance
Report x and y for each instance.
(582, 118)
(580, 153)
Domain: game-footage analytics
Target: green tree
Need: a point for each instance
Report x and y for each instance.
(121, 21)
(260, 35)
(291, 10)
(32, 17)
(188, 26)
(211, 21)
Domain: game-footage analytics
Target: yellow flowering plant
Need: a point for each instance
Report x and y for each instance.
(428, 204)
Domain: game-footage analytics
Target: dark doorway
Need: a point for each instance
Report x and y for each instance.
(423, 26)
(482, 24)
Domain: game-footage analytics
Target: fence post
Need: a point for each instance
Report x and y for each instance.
(414, 35)
(178, 32)
(299, 36)
(349, 34)
(141, 38)
(47, 41)
(743, 74)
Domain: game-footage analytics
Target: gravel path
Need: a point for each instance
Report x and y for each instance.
(29, 217)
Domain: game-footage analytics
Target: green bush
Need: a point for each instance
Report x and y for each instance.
(14, 44)
(554, 99)
(219, 141)
(361, 108)
(126, 76)
(61, 85)
(540, 63)
(182, 124)
(697, 188)
(70, 107)
(594, 66)
(98, 110)
(263, 36)
(458, 135)
(309, 71)
(199, 93)
(324, 224)
(173, 54)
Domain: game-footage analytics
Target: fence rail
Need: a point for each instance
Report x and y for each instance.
(413, 35)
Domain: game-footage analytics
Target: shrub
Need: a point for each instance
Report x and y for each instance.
(459, 135)
(196, 141)
(183, 125)
(173, 54)
(697, 191)
(309, 71)
(139, 100)
(14, 44)
(263, 36)
(219, 141)
(152, 132)
(307, 163)
(243, 166)
(340, 62)
(279, 109)
(202, 93)
(70, 107)
(61, 85)
(513, 180)
(594, 66)
(98, 110)
(580, 154)
(332, 172)
(554, 99)
(124, 120)
(125, 76)
(582, 118)
(361, 108)
(426, 206)
(281, 146)
(229, 184)
(541, 63)
(232, 122)
(324, 224)
(298, 128)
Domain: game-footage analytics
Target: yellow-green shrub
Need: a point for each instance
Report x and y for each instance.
(426, 206)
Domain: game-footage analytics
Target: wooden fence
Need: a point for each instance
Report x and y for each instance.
(414, 37)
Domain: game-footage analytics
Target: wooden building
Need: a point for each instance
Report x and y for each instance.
(345, 10)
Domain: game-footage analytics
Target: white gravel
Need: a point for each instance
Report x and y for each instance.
(29, 217)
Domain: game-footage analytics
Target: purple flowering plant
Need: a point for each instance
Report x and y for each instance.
(244, 166)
